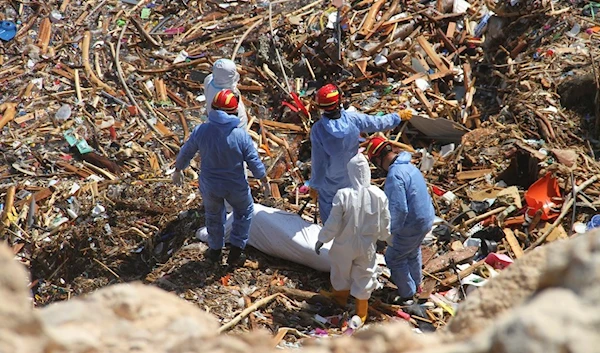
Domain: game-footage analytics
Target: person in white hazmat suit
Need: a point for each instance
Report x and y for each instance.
(359, 217)
(224, 76)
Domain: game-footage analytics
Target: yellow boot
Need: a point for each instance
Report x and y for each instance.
(362, 309)
(339, 296)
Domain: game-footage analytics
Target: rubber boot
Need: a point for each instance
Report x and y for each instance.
(212, 255)
(362, 309)
(235, 255)
(339, 296)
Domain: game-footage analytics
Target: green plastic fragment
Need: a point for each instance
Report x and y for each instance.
(145, 13)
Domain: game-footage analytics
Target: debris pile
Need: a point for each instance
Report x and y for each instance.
(98, 96)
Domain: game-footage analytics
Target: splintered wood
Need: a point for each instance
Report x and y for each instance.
(99, 96)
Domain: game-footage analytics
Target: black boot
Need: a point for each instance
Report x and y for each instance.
(234, 256)
(212, 255)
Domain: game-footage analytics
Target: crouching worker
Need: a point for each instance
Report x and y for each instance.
(359, 217)
(223, 148)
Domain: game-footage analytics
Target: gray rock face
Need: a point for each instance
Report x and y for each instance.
(511, 288)
(547, 302)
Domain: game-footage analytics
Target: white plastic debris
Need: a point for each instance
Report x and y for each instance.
(422, 84)
(380, 60)
(355, 322)
(460, 6)
(331, 20)
(74, 188)
(98, 210)
(447, 150)
(181, 57)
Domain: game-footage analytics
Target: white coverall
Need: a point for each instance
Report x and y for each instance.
(359, 217)
(224, 75)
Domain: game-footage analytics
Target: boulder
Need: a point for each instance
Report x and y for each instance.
(546, 302)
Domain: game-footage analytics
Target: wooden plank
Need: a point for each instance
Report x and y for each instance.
(444, 261)
(438, 75)
(165, 131)
(427, 253)
(9, 111)
(8, 205)
(464, 273)
(473, 174)
(513, 242)
(447, 42)
(275, 191)
(428, 107)
(44, 35)
(557, 233)
(180, 102)
(451, 30)
(71, 168)
(422, 61)
(285, 126)
(370, 19)
(153, 160)
(431, 53)
(413, 78)
(39, 196)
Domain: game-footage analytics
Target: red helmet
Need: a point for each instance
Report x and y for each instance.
(328, 97)
(376, 145)
(226, 101)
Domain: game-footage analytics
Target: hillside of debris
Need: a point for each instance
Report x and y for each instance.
(97, 97)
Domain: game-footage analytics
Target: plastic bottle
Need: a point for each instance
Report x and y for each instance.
(355, 322)
(63, 113)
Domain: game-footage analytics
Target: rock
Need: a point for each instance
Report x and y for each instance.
(546, 302)
(511, 288)
(126, 317)
(19, 326)
(395, 337)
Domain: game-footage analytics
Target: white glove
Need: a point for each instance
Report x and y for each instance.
(266, 187)
(177, 178)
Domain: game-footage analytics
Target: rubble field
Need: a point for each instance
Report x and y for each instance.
(98, 96)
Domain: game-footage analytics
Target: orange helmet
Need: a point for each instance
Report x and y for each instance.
(328, 97)
(375, 146)
(226, 101)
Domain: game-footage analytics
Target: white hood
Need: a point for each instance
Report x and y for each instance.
(359, 171)
(224, 75)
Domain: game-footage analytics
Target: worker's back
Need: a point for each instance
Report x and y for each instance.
(335, 142)
(360, 214)
(223, 149)
(410, 204)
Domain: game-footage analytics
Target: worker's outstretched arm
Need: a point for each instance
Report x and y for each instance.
(372, 123)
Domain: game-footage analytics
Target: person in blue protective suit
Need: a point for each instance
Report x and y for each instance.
(334, 141)
(223, 149)
(412, 215)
